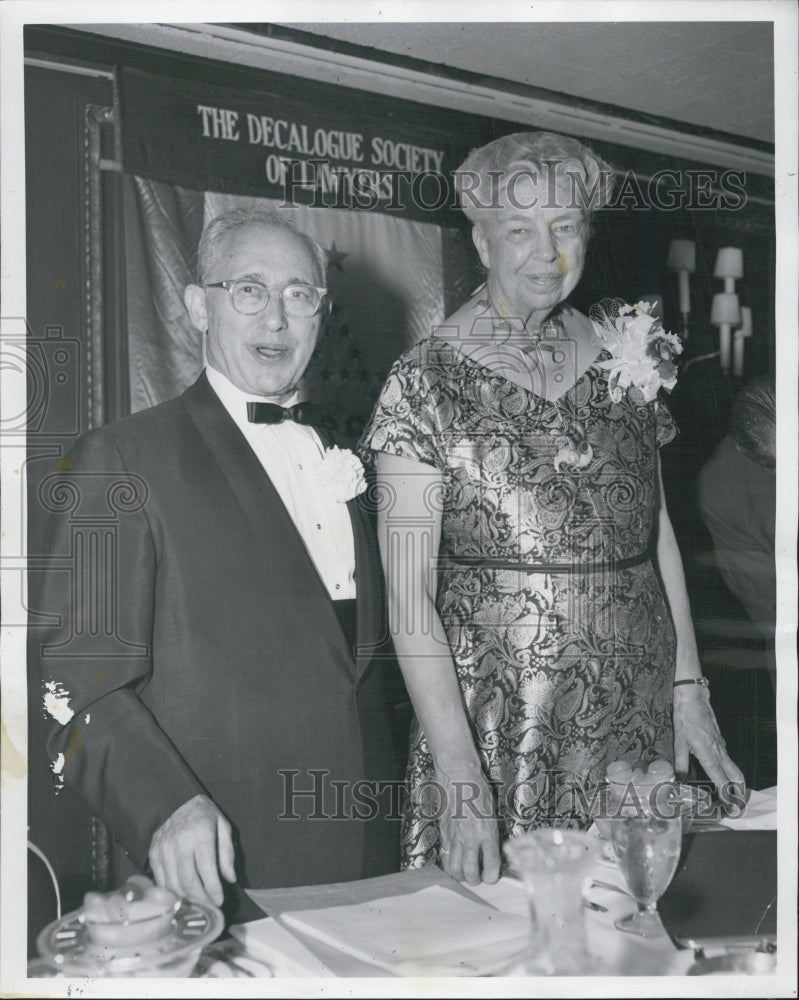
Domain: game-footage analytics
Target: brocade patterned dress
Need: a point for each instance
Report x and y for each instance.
(557, 621)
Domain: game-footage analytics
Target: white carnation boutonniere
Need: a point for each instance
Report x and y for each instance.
(340, 475)
(643, 353)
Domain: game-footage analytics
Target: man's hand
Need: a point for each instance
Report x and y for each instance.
(190, 849)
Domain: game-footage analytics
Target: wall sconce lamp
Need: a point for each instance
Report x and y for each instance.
(729, 266)
(682, 259)
(725, 314)
(738, 343)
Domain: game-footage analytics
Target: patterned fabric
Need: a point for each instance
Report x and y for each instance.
(561, 673)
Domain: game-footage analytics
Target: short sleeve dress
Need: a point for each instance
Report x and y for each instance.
(554, 611)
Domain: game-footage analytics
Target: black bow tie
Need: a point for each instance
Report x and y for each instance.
(272, 413)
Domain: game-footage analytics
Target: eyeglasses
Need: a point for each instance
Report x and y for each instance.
(250, 297)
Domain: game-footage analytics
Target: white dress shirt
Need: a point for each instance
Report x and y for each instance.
(290, 454)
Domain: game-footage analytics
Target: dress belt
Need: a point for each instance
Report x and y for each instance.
(479, 562)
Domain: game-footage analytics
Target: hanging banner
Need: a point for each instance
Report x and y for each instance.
(364, 154)
(386, 283)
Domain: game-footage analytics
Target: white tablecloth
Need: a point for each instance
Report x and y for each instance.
(292, 953)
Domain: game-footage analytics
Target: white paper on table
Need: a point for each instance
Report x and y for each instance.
(760, 812)
(507, 895)
(430, 932)
(267, 940)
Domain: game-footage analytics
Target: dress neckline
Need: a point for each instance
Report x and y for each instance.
(462, 356)
(517, 358)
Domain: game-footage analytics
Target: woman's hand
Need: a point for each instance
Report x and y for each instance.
(469, 830)
(695, 728)
(697, 732)
(409, 530)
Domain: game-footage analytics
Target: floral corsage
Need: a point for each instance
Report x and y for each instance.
(643, 352)
(340, 475)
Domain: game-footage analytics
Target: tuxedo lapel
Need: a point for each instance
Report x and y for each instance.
(271, 523)
(371, 621)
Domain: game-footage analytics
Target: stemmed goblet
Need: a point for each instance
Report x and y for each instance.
(648, 851)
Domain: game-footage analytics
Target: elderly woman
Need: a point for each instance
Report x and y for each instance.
(537, 597)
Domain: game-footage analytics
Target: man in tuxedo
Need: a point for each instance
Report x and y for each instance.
(228, 710)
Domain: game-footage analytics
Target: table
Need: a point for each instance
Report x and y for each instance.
(270, 948)
(291, 953)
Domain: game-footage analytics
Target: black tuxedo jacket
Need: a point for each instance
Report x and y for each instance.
(200, 652)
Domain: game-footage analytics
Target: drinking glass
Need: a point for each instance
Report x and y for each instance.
(648, 852)
(555, 866)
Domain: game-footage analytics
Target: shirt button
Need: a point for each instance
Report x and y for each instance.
(299, 466)
(338, 586)
(319, 526)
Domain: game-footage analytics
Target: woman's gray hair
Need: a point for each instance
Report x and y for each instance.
(753, 422)
(486, 173)
(221, 226)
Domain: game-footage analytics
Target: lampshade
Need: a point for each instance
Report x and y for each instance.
(726, 309)
(745, 329)
(729, 263)
(682, 256)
